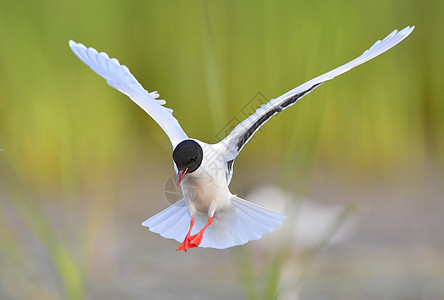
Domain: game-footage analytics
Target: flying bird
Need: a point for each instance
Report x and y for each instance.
(209, 215)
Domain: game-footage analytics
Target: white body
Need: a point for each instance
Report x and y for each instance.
(206, 192)
(206, 189)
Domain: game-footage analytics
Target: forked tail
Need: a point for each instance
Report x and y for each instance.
(242, 222)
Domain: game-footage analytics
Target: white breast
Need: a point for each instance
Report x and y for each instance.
(206, 189)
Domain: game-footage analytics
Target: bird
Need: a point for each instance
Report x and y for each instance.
(209, 215)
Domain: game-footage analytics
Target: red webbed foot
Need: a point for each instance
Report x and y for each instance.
(185, 245)
(193, 240)
(197, 238)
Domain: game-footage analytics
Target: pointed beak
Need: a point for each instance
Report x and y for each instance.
(180, 175)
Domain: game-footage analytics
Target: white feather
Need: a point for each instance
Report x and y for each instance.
(235, 221)
(119, 77)
(171, 223)
(232, 140)
(242, 222)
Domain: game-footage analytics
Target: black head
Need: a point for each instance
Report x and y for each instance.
(188, 154)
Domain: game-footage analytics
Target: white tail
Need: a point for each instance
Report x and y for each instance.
(241, 223)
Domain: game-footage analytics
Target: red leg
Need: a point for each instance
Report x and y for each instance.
(186, 242)
(196, 239)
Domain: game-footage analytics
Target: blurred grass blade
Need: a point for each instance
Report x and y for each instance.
(34, 218)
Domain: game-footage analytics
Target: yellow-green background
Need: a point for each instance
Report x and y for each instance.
(76, 154)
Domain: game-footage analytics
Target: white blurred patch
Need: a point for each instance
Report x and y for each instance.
(308, 223)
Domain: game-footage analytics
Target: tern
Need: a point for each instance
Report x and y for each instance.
(209, 215)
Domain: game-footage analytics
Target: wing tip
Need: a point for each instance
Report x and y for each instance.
(73, 45)
(406, 31)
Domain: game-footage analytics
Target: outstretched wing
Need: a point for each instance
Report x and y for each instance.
(119, 77)
(243, 132)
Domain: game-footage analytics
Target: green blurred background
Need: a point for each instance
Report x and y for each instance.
(81, 166)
